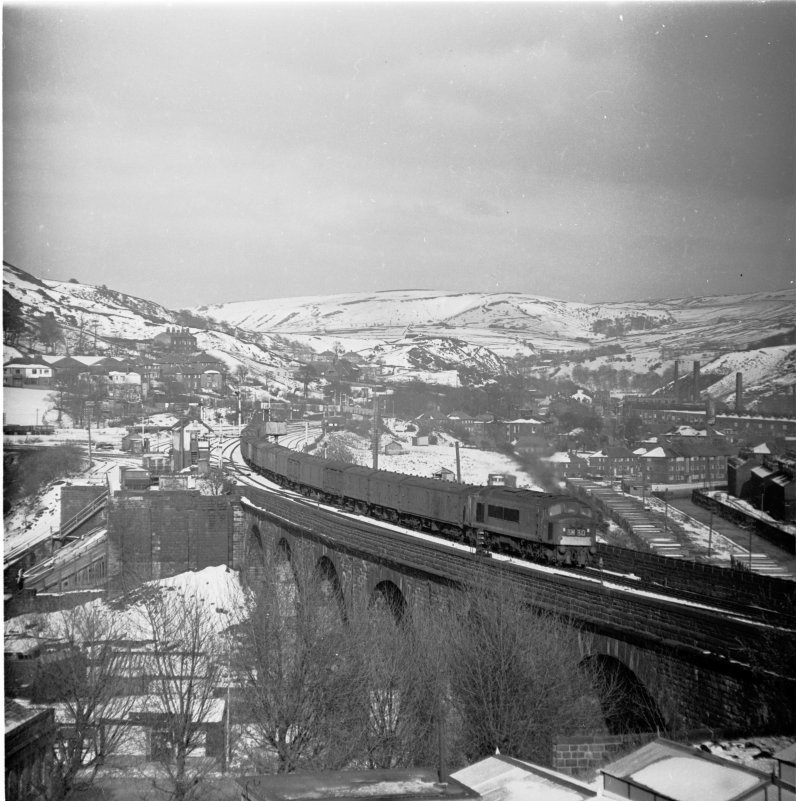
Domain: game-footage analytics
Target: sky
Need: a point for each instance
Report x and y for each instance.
(204, 153)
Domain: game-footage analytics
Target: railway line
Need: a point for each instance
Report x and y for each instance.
(433, 549)
(705, 632)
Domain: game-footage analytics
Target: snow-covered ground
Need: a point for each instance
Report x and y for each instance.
(217, 589)
(28, 407)
(32, 521)
(425, 460)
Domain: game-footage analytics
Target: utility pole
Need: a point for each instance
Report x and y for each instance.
(710, 533)
(220, 443)
(458, 464)
(375, 434)
(89, 408)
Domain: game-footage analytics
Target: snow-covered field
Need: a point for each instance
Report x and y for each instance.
(28, 407)
(425, 460)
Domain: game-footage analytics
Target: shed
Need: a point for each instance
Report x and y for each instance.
(134, 442)
(393, 449)
(669, 771)
(443, 474)
(500, 778)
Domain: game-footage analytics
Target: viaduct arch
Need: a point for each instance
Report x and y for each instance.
(670, 675)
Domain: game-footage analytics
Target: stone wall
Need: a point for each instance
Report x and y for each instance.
(74, 499)
(157, 534)
(582, 755)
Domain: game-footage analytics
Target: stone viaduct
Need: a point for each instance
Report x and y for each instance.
(685, 665)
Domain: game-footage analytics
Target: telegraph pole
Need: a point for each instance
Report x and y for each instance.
(89, 409)
(375, 434)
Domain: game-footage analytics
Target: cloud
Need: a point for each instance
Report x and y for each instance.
(364, 145)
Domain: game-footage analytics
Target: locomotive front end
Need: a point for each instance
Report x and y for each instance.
(571, 528)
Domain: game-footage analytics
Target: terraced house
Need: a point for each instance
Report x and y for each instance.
(694, 462)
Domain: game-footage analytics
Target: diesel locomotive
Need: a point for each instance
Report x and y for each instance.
(539, 526)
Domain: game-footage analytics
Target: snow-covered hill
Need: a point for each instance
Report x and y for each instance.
(426, 334)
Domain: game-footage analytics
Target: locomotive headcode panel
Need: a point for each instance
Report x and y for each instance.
(570, 524)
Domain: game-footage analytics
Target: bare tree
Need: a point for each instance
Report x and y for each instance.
(187, 659)
(335, 448)
(515, 681)
(85, 673)
(216, 482)
(400, 682)
(295, 672)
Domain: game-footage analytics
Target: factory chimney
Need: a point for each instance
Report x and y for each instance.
(738, 393)
(710, 411)
(675, 390)
(695, 395)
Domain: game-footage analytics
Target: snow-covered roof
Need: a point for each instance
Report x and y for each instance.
(656, 453)
(681, 773)
(559, 457)
(787, 755)
(498, 778)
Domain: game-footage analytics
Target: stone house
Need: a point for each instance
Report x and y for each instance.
(175, 339)
(613, 461)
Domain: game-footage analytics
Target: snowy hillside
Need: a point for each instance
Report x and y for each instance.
(76, 306)
(764, 370)
(425, 334)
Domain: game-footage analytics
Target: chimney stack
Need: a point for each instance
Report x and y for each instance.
(675, 390)
(710, 410)
(696, 381)
(738, 393)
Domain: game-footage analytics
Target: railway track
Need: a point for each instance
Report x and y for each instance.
(374, 533)
(613, 605)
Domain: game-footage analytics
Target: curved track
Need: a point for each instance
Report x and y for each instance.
(435, 548)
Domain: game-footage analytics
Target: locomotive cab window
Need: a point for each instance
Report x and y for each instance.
(503, 513)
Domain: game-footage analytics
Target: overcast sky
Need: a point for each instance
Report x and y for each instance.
(195, 154)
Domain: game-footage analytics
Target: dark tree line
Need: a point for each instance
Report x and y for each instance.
(25, 472)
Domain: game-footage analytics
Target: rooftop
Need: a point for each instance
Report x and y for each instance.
(419, 784)
(673, 772)
(499, 778)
